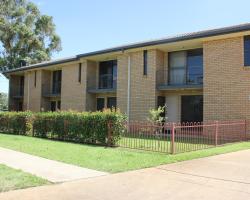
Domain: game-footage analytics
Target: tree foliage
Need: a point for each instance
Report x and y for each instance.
(155, 115)
(25, 34)
(3, 101)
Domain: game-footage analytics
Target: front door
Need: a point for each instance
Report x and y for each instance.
(192, 108)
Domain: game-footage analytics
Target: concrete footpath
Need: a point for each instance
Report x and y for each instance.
(51, 170)
(222, 177)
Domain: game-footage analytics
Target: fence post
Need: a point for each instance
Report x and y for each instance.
(245, 139)
(216, 132)
(109, 142)
(173, 139)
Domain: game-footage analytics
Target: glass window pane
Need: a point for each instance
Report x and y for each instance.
(177, 66)
(247, 50)
(195, 67)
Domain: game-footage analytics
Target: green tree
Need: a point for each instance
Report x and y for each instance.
(3, 101)
(25, 34)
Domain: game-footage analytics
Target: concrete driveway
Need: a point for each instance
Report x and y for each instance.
(219, 177)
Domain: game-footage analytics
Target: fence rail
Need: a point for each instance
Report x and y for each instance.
(182, 137)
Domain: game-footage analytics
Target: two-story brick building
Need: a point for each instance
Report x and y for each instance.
(200, 76)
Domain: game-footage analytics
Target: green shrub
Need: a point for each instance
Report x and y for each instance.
(85, 127)
(19, 123)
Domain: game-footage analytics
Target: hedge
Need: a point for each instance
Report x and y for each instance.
(85, 127)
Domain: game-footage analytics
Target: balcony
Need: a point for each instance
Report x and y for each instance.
(49, 92)
(178, 80)
(106, 84)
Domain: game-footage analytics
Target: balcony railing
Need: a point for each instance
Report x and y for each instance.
(55, 91)
(107, 81)
(166, 78)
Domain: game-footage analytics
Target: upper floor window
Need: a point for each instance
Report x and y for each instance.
(186, 67)
(56, 82)
(107, 74)
(145, 62)
(80, 73)
(247, 50)
(35, 79)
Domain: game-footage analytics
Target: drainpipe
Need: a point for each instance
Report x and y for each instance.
(128, 96)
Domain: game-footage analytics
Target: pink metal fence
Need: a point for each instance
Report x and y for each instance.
(182, 137)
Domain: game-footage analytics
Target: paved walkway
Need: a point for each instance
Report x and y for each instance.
(48, 169)
(222, 177)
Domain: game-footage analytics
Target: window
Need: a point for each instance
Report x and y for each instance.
(56, 82)
(58, 105)
(35, 79)
(145, 62)
(107, 74)
(177, 67)
(100, 104)
(21, 86)
(111, 102)
(195, 66)
(247, 51)
(186, 67)
(53, 106)
(80, 73)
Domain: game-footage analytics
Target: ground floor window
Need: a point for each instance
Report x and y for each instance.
(59, 105)
(111, 102)
(105, 102)
(20, 106)
(53, 106)
(192, 108)
(100, 104)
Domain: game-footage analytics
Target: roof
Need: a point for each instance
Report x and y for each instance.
(176, 38)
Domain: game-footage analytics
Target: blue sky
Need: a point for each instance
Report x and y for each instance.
(89, 25)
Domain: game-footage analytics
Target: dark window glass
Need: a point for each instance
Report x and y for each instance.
(53, 106)
(80, 73)
(195, 66)
(247, 50)
(20, 106)
(107, 74)
(111, 102)
(35, 79)
(21, 89)
(145, 62)
(56, 82)
(192, 108)
(100, 104)
(59, 105)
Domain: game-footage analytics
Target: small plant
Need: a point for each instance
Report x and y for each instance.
(156, 115)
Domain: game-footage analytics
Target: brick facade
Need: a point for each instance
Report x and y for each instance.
(226, 86)
(226, 80)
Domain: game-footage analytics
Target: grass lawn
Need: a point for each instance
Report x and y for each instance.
(11, 179)
(101, 158)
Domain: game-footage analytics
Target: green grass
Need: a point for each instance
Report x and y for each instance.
(11, 179)
(101, 158)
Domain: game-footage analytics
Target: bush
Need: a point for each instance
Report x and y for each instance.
(19, 123)
(86, 127)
